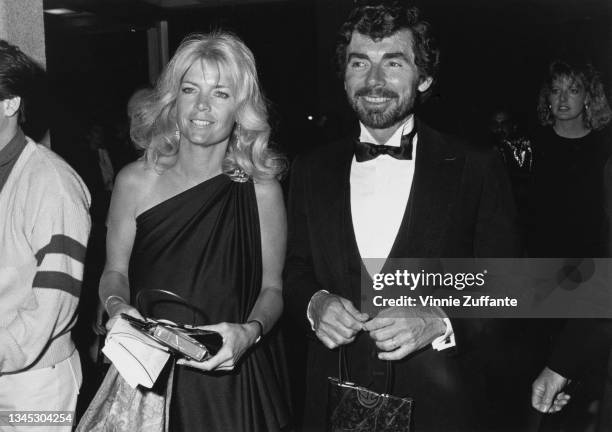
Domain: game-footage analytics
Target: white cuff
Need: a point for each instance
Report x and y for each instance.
(447, 340)
(308, 314)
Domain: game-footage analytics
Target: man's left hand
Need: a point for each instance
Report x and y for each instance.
(399, 331)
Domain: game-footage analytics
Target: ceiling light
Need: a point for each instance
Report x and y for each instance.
(60, 11)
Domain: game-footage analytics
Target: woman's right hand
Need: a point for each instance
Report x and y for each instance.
(118, 306)
(237, 339)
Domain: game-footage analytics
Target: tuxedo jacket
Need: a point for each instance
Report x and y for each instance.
(460, 205)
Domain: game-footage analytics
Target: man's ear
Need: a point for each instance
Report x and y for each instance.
(425, 84)
(11, 106)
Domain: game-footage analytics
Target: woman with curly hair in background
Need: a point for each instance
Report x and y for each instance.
(568, 219)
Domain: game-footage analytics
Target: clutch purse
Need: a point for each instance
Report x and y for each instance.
(182, 340)
(191, 343)
(359, 409)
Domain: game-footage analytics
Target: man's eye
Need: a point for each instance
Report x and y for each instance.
(357, 64)
(395, 64)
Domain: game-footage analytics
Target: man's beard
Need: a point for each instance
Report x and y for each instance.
(381, 118)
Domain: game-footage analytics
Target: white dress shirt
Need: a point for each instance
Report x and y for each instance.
(380, 189)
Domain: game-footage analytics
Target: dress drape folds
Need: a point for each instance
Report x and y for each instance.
(204, 244)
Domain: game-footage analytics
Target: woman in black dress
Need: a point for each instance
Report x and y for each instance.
(568, 216)
(202, 215)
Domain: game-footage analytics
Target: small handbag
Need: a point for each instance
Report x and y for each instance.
(359, 409)
(117, 407)
(182, 340)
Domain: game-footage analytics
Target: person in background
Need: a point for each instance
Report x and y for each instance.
(202, 215)
(516, 151)
(568, 219)
(566, 205)
(44, 227)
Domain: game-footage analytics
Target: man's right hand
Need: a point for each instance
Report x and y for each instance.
(336, 321)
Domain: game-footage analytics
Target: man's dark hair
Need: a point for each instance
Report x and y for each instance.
(18, 75)
(379, 20)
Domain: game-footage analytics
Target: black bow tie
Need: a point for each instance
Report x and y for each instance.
(365, 151)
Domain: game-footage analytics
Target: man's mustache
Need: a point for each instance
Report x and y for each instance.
(376, 92)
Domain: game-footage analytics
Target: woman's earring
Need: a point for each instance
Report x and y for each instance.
(177, 134)
(238, 133)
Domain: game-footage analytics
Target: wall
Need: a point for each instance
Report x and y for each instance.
(22, 24)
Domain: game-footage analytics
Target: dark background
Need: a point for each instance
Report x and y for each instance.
(493, 52)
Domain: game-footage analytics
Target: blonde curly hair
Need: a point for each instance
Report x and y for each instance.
(153, 122)
(597, 113)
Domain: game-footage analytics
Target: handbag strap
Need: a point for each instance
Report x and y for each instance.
(175, 297)
(343, 372)
(389, 377)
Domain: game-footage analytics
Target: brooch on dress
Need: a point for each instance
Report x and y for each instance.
(239, 176)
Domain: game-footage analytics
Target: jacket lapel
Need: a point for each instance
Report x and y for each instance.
(434, 188)
(331, 198)
(426, 217)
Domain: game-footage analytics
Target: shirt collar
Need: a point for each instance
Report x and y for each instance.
(13, 149)
(395, 139)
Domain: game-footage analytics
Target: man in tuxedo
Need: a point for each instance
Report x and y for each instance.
(401, 190)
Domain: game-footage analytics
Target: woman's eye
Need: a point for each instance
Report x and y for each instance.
(187, 90)
(222, 94)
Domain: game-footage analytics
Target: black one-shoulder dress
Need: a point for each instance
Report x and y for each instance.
(204, 244)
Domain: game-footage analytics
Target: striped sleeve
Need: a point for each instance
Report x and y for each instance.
(58, 240)
(60, 265)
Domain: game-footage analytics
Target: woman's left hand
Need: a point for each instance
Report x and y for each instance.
(237, 338)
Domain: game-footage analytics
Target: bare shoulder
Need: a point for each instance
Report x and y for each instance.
(135, 175)
(134, 183)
